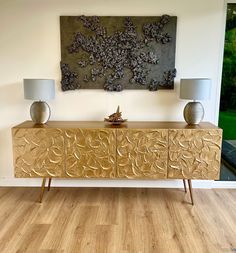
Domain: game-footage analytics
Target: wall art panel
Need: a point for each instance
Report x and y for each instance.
(116, 53)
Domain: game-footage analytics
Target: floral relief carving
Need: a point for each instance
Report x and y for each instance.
(38, 152)
(116, 53)
(142, 153)
(90, 153)
(194, 153)
(117, 153)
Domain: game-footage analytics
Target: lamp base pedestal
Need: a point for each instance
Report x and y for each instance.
(193, 113)
(40, 112)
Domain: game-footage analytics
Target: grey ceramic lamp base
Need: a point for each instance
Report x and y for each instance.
(40, 112)
(193, 113)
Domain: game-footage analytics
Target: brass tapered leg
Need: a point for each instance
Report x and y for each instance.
(49, 183)
(185, 188)
(190, 190)
(42, 190)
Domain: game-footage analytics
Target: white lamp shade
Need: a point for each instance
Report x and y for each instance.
(195, 88)
(39, 89)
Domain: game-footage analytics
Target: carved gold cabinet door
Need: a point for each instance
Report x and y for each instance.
(194, 154)
(142, 154)
(38, 152)
(90, 153)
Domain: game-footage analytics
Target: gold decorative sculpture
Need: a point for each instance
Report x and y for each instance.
(115, 118)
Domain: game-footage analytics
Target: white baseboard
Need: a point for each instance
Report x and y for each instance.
(168, 183)
(224, 184)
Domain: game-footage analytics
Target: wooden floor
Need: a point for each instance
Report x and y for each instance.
(105, 220)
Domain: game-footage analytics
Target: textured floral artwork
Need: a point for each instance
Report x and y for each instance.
(116, 53)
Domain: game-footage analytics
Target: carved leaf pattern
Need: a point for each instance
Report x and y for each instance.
(194, 154)
(90, 153)
(38, 152)
(142, 153)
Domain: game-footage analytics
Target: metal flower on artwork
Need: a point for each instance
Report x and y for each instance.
(116, 53)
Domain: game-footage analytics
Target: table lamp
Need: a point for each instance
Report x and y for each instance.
(39, 90)
(194, 89)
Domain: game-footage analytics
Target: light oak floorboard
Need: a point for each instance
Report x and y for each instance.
(114, 220)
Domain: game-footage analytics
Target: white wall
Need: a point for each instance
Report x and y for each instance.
(30, 48)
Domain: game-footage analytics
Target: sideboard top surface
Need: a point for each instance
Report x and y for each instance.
(127, 125)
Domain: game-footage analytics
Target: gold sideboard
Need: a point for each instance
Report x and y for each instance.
(136, 150)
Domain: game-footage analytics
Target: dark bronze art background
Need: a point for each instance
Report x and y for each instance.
(116, 53)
